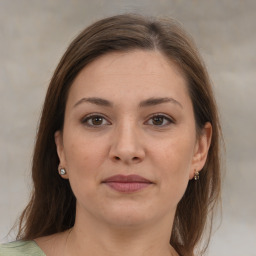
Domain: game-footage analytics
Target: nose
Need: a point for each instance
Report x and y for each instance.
(126, 145)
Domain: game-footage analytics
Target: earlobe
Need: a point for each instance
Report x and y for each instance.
(60, 151)
(201, 149)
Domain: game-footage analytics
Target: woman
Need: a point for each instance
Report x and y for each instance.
(126, 160)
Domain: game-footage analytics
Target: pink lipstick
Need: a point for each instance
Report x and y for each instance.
(127, 184)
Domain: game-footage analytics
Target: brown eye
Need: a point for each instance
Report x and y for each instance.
(95, 121)
(160, 120)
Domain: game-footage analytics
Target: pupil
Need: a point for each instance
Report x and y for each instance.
(97, 120)
(158, 120)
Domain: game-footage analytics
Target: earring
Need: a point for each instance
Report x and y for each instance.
(62, 171)
(196, 175)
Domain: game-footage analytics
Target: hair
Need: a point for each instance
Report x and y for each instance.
(52, 206)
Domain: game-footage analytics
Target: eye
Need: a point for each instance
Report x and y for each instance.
(95, 120)
(160, 120)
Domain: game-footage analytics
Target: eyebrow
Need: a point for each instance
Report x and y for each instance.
(145, 103)
(157, 101)
(96, 101)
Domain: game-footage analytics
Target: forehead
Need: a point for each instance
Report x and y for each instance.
(136, 62)
(133, 74)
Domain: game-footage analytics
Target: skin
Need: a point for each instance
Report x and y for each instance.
(127, 139)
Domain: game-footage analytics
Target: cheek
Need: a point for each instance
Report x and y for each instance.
(83, 159)
(176, 155)
(83, 153)
(174, 162)
(83, 170)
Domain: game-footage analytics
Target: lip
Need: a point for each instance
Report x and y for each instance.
(127, 183)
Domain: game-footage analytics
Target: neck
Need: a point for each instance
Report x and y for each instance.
(94, 238)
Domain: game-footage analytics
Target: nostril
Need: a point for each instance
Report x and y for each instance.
(133, 159)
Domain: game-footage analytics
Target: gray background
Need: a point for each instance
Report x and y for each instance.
(34, 35)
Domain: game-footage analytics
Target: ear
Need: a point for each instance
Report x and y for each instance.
(201, 149)
(58, 136)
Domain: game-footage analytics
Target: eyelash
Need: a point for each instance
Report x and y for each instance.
(166, 118)
(90, 117)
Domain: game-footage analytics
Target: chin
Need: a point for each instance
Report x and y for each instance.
(129, 216)
(128, 221)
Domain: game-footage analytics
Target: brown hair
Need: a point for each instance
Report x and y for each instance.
(52, 205)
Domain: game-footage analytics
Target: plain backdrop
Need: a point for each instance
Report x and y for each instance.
(34, 35)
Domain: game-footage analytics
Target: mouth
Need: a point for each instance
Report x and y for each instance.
(127, 184)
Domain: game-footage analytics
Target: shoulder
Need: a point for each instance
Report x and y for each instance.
(20, 248)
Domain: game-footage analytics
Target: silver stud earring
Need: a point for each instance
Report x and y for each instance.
(62, 171)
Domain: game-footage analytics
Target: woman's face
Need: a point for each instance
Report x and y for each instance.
(129, 142)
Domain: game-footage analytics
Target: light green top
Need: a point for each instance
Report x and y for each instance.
(21, 248)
